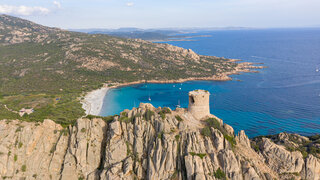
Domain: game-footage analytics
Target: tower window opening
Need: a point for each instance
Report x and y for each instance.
(191, 100)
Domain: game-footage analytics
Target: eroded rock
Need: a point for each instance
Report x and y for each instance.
(143, 144)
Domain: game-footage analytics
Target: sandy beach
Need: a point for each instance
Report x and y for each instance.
(93, 101)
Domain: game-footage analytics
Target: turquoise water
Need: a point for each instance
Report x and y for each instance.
(283, 97)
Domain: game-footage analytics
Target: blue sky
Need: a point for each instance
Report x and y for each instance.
(166, 13)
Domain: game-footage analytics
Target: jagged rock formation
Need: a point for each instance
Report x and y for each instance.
(144, 143)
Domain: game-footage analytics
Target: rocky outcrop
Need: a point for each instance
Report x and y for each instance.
(311, 168)
(31, 149)
(281, 160)
(83, 155)
(243, 139)
(144, 143)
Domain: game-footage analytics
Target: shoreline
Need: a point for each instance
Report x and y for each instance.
(245, 67)
(93, 100)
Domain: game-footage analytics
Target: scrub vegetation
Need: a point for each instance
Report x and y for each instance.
(49, 69)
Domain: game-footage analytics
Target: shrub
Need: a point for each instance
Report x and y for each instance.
(314, 150)
(148, 114)
(166, 110)
(23, 168)
(125, 119)
(314, 137)
(255, 147)
(179, 118)
(290, 148)
(128, 148)
(231, 140)
(174, 175)
(160, 134)
(20, 145)
(177, 137)
(304, 154)
(213, 122)
(206, 131)
(53, 148)
(83, 130)
(15, 157)
(137, 115)
(219, 174)
(19, 129)
(64, 132)
(162, 115)
(124, 114)
(89, 116)
(201, 155)
(108, 119)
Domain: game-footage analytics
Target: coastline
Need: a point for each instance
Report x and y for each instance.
(182, 38)
(245, 67)
(93, 100)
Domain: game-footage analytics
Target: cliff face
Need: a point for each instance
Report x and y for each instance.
(145, 143)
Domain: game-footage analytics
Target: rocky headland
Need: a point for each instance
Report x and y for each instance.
(151, 143)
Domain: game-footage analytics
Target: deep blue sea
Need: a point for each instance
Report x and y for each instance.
(283, 97)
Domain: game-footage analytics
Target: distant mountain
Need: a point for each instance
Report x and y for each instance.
(162, 34)
(137, 35)
(125, 29)
(48, 68)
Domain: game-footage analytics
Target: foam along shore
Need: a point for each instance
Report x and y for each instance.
(93, 101)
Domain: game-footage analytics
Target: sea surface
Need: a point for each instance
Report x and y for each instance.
(283, 97)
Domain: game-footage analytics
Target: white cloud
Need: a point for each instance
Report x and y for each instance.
(57, 4)
(130, 4)
(23, 10)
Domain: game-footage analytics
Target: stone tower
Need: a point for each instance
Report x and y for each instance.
(199, 103)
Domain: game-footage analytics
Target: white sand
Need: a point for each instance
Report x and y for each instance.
(93, 101)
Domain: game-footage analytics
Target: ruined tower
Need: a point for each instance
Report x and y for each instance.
(199, 103)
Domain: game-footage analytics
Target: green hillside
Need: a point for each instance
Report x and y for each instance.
(48, 68)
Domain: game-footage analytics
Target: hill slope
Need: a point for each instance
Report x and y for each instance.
(47, 69)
